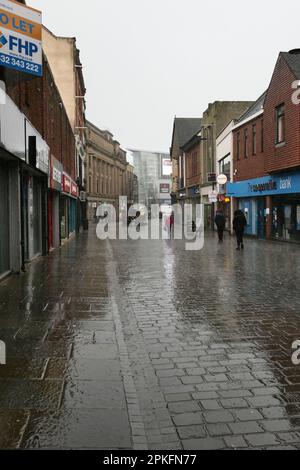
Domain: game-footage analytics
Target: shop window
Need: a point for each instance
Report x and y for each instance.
(280, 124)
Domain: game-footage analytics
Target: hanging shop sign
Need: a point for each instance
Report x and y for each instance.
(56, 173)
(20, 37)
(222, 179)
(213, 197)
(164, 188)
(66, 184)
(211, 177)
(37, 150)
(167, 167)
(74, 189)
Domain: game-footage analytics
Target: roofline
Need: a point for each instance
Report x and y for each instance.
(195, 139)
(224, 128)
(147, 151)
(90, 124)
(173, 135)
(281, 55)
(249, 119)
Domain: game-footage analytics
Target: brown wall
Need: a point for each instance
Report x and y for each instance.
(254, 165)
(280, 157)
(193, 166)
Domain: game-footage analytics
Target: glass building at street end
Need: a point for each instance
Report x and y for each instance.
(154, 172)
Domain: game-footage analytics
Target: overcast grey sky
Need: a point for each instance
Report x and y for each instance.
(146, 61)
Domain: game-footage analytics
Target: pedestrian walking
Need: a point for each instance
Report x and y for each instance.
(220, 222)
(169, 224)
(239, 224)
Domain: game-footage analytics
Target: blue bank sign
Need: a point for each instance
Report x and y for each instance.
(288, 183)
(20, 37)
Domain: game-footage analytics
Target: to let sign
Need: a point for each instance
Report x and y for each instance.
(20, 37)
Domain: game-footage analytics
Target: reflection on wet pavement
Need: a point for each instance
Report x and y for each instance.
(141, 345)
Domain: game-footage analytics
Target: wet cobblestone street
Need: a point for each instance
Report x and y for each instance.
(143, 345)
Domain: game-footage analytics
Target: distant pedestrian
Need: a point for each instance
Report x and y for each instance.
(220, 222)
(239, 224)
(169, 224)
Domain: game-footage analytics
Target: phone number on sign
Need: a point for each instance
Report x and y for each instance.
(21, 64)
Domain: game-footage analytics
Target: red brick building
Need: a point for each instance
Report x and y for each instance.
(39, 99)
(266, 159)
(192, 152)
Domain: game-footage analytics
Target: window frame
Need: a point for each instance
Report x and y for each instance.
(280, 119)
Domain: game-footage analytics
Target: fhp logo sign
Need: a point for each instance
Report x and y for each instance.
(20, 37)
(3, 40)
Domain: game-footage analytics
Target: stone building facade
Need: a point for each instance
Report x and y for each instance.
(108, 173)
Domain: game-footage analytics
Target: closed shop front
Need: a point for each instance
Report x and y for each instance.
(55, 188)
(35, 183)
(68, 207)
(32, 206)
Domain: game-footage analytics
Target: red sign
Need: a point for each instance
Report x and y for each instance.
(69, 186)
(74, 189)
(66, 184)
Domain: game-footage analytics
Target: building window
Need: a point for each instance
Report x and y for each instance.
(262, 136)
(225, 166)
(246, 152)
(238, 146)
(280, 124)
(254, 139)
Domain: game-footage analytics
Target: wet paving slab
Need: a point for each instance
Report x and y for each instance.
(142, 345)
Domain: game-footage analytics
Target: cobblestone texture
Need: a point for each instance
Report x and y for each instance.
(142, 345)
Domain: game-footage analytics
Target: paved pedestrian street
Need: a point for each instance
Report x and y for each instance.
(143, 345)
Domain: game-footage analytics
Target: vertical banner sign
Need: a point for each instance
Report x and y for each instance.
(20, 37)
(167, 167)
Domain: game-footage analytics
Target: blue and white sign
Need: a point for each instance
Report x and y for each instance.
(20, 37)
(287, 183)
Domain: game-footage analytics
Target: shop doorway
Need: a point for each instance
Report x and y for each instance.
(261, 218)
(32, 217)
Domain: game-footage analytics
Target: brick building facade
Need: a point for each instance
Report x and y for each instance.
(267, 184)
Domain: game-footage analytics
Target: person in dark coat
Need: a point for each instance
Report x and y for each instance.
(239, 224)
(220, 222)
